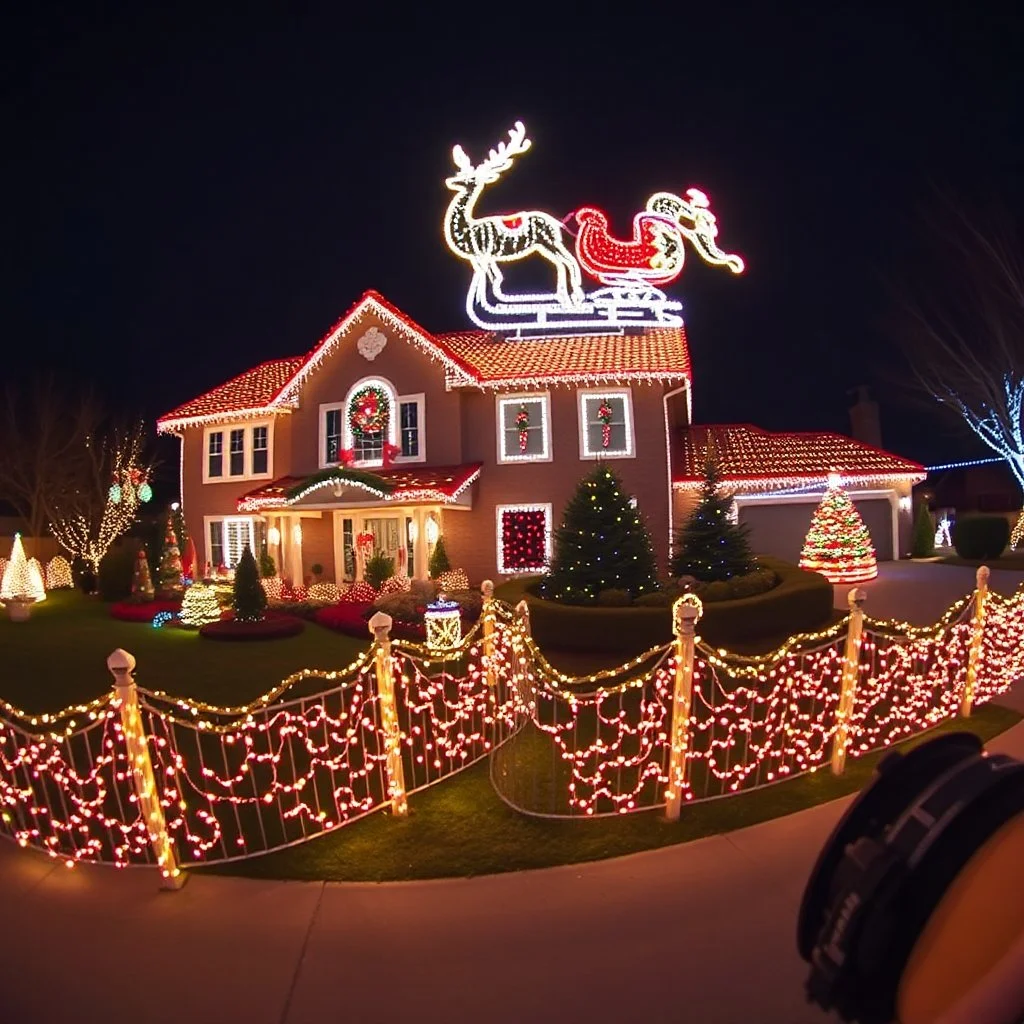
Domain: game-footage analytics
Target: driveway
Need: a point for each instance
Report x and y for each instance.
(919, 592)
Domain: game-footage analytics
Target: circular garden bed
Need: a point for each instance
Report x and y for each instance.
(800, 602)
(273, 627)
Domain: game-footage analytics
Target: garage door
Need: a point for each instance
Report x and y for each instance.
(780, 529)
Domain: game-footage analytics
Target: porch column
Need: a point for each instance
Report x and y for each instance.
(419, 548)
(295, 551)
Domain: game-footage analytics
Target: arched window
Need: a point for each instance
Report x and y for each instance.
(370, 420)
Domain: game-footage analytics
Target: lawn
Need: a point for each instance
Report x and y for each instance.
(461, 828)
(59, 657)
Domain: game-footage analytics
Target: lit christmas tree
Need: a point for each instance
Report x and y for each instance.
(199, 606)
(168, 574)
(838, 544)
(250, 597)
(710, 546)
(142, 582)
(22, 580)
(601, 545)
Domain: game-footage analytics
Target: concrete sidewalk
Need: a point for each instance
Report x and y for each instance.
(919, 592)
(702, 933)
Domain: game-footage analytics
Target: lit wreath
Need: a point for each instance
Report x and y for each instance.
(368, 411)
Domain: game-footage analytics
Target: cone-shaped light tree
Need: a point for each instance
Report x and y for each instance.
(142, 582)
(22, 580)
(710, 546)
(199, 606)
(838, 544)
(168, 573)
(602, 544)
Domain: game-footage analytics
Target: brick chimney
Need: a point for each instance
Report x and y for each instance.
(865, 423)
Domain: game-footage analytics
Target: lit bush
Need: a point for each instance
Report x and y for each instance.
(453, 579)
(323, 593)
(399, 584)
(359, 593)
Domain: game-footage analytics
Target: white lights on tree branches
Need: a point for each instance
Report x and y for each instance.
(629, 270)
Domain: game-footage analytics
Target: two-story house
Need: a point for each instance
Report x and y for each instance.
(483, 440)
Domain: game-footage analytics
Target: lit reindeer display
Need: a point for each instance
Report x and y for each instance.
(630, 270)
(488, 241)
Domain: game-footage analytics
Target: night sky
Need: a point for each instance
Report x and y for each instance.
(186, 198)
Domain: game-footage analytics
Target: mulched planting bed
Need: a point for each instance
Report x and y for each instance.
(273, 627)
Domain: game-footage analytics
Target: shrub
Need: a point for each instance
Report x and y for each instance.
(453, 579)
(438, 560)
(922, 544)
(981, 536)
(470, 601)
(396, 585)
(378, 568)
(273, 587)
(359, 593)
(267, 567)
(116, 569)
(613, 598)
(323, 593)
(801, 602)
(423, 590)
(399, 606)
(250, 598)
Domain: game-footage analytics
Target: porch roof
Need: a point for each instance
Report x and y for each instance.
(405, 484)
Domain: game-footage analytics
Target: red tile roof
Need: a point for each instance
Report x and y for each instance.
(441, 484)
(470, 358)
(750, 458)
(658, 353)
(249, 393)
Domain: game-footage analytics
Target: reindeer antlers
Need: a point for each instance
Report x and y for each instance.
(498, 159)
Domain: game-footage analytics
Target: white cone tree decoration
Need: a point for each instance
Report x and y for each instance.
(22, 580)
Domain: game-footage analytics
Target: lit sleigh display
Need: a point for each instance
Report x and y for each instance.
(630, 271)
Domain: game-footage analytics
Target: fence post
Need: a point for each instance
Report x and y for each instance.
(523, 613)
(380, 627)
(977, 635)
(685, 613)
(121, 665)
(488, 613)
(851, 673)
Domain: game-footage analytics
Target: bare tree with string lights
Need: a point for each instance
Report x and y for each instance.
(962, 327)
(111, 482)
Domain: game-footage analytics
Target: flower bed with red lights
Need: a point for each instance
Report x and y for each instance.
(274, 626)
(142, 611)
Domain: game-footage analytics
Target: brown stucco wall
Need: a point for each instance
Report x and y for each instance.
(221, 499)
(470, 536)
(405, 367)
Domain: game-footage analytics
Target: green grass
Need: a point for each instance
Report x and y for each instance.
(460, 828)
(59, 657)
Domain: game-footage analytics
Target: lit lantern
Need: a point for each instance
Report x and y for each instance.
(444, 624)
(414, 531)
(273, 536)
(297, 534)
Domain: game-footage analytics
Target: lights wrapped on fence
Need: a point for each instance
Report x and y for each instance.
(444, 624)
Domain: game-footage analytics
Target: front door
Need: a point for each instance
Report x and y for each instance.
(387, 538)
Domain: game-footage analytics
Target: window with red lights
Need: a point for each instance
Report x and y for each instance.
(524, 538)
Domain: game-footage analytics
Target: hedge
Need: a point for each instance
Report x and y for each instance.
(981, 536)
(802, 602)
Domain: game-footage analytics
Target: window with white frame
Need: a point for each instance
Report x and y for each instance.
(523, 538)
(524, 428)
(367, 426)
(411, 428)
(238, 453)
(606, 424)
(229, 536)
